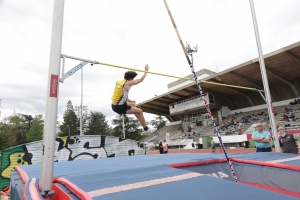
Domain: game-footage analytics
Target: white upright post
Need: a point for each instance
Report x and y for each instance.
(81, 102)
(47, 161)
(265, 79)
(123, 126)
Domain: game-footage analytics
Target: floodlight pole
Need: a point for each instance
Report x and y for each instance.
(47, 161)
(81, 102)
(265, 79)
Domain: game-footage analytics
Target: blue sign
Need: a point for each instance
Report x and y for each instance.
(75, 69)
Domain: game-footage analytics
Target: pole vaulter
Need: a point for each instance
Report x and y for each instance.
(201, 92)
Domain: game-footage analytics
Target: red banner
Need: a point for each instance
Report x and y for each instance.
(294, 132)
(53, 85)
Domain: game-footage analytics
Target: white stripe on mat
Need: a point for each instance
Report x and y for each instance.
(284, 160)
(143, 184)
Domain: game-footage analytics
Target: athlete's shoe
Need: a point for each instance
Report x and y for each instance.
(149, 131)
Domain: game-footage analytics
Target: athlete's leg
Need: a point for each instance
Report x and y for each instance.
(131, 104)
(139, 115)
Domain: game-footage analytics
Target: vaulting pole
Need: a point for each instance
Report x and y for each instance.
(265, 79)
(201, 93)
(49, 136)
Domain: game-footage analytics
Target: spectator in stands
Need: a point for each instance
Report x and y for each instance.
(213, 145)
(269, 128)
(295, 101)
(161, 147)
(227, 133)
(292, 116)
(262, 139)
(286, 110)
(232, 117)
(240, 132)
(274, 112)
(285, 117)
(165, 145)
(246, 120)
(288, 142)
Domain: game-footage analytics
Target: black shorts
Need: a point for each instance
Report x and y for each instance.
(120, 109)
(264, 149)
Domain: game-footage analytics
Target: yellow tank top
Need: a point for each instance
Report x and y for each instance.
(118, 96)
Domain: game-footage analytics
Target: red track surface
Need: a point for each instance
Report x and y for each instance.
(237, 150)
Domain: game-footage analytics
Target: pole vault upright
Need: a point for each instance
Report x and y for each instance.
(49, 136)
(265, 78)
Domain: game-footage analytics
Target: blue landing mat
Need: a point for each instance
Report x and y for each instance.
(100, 174)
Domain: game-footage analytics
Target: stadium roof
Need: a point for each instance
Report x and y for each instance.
(283, 71)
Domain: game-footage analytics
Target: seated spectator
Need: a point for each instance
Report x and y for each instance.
(292, 116)
(240, 132)
(269, 128)
(274, 112)
(295, 102)
(189, 129)
(284, 117)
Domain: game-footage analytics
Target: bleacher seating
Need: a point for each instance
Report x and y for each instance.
(177, 136)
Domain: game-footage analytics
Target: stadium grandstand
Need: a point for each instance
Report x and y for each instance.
(235, 110)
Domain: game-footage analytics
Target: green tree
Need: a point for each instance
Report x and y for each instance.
(14, 129)
(28, 120)
(158, 122)
(96, 124)
(131, 126)
(36, 130)
(1, 137)
(70, 124)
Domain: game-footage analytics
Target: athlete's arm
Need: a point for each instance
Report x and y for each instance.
(139, 80)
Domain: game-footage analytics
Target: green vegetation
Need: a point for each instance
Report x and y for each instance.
(20, 128)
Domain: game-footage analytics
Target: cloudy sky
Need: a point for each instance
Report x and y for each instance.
(129, 33)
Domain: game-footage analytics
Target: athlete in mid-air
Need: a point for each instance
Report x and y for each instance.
(120, 102)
